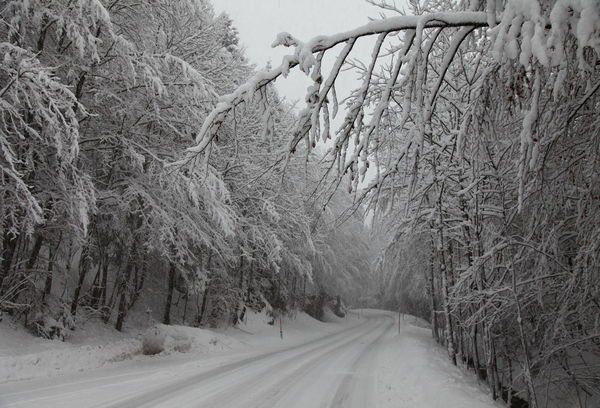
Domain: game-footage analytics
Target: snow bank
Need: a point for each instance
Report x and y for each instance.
(414, 371)
(62, 359)
(95, 345)
(416, 322)
(183, 339)
(330, 317)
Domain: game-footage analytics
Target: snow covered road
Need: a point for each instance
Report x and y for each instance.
(321, 372)
(341, 369)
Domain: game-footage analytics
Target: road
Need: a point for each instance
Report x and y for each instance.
(332, 371)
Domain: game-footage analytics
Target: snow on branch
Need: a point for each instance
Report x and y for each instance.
(304, 57)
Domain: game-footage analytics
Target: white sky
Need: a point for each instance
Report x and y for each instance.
(259, 22)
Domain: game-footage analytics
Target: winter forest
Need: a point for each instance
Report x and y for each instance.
(149, 172)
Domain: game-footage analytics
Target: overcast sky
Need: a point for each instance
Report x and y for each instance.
(259, 22)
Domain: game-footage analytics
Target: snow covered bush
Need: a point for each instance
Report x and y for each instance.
(50, 324)
(153, 341)
(182, 339)
(49, 328)
(337, 307)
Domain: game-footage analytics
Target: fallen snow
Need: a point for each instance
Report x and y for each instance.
(94, 344)
(24, 356)
(356, 362)
(256, 332)
(414, 371)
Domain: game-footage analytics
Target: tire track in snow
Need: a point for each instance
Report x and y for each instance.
(262, 391)
(262, 380)
(345, 353)
(345, 396)
(158, 395)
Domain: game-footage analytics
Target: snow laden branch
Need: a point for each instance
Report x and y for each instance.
(304, 57)
(522, 32)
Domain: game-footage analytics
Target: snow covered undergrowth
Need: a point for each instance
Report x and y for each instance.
(24, 356)
(94, 345)
(414, 371)
(184, 339)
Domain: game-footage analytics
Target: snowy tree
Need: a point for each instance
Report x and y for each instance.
(478, 127)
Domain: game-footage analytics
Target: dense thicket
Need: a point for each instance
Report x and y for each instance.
(475, 140)
(101, 210)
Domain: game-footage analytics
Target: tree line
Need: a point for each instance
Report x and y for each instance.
(102, 210)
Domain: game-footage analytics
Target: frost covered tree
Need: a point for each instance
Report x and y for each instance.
(104, 214)
(473, 137)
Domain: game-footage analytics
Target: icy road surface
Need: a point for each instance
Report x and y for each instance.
(338, 370)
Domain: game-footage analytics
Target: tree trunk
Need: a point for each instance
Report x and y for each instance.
(83, 269)
(475, 345)
(37, 246)
(185, 306)
(527, 363)
(241, 281)
(139, 283)
(104, 283)
(434, 325)
(445, 284)
(9, 246)
(204, 300)
(95, 291)
(249, 285)
(171, 286)
(123, 304)
(48, 283)
(206, 291)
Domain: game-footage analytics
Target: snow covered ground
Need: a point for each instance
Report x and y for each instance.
(414, 371)
(93, 345)
(360, 361)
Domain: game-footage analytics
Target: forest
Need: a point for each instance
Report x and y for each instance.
(148, 167)
(99, 102)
